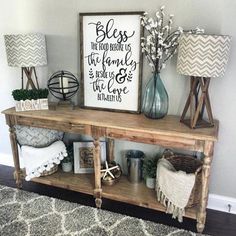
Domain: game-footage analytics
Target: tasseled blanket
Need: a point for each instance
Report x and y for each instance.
(173, 188)
(37, 160)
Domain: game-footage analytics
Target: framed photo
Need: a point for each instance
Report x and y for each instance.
(83, 156)
(111, 60)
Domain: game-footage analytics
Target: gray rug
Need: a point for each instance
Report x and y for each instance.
(30, 214)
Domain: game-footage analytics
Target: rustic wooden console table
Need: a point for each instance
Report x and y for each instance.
(167, 132)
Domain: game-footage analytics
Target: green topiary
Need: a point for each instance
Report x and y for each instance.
(150, 167)
(70, 153)
(24, 94)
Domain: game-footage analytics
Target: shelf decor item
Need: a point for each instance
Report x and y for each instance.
(110, 173)
(63, 85)
(158, 46)
(26, 51)
(42, 161)
(149, 171)
(30, 99)
(67, 162)
(36, 137)
(84, 156)
(189, 165)
(201, 57)
(111, 60)
(178, 182)
(135, 165)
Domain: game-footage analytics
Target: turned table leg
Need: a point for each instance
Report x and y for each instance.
(97, 167)
(201, 215)
(17, 172)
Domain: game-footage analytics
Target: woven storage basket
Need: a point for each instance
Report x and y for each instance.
(46, 172)
(50, 172)
(188, 164)
(36, 137)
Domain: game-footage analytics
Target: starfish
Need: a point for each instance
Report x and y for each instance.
(108, 169)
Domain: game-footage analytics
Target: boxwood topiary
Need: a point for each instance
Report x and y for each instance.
(150, 166)
(24, 94)
(70, 156)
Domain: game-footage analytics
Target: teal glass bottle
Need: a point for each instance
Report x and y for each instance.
(155, 100)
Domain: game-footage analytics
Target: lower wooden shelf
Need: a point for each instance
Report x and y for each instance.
(123, 191)
(83, 183)
(138, 194)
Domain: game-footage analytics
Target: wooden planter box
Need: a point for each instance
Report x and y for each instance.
(31, 105)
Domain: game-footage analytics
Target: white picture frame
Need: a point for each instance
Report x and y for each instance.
(83, 156)
(111, 61)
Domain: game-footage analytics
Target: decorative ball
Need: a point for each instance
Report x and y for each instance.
(63, 85)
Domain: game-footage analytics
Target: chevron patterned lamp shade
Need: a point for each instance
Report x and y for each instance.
(26, 50)
(203, 55)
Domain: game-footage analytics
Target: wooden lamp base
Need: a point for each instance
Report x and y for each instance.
(29, 71)
(197, 102)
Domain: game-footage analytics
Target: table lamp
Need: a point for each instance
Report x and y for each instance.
(201, 57)
(26, 51)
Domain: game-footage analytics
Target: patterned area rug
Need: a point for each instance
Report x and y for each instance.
(30, 214)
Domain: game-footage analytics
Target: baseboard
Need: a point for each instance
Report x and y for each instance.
(222, 203)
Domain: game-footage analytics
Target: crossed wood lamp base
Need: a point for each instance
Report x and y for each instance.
(198, 100)
(201, 57)
(29, 71)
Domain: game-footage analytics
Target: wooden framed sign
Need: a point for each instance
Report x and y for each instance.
(84, 155)
(111, 59)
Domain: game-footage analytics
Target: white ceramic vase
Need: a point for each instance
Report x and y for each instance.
(67, 167)
(150, 182)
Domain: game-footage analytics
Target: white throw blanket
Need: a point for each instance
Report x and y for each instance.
(173, 188)
(36, 160)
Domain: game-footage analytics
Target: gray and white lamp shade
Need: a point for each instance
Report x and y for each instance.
(26, 50)
(203, 55)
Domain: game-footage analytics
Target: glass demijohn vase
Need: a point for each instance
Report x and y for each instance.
(155, 100)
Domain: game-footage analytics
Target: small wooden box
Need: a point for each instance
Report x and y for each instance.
(31, 105)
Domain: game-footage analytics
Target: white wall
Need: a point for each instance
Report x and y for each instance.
(58, 19)
(8, 23)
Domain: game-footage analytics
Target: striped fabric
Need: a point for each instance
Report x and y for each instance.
(203, 55)
(26, 50)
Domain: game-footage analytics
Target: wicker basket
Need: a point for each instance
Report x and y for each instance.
(36, 137)
(50, 172)
(189, 165)
(45, 172)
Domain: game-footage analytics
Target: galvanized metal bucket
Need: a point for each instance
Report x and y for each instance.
(135, 164)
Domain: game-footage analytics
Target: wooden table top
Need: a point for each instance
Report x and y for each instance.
(169, 125)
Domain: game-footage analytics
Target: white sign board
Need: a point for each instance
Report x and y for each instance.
(111, 60)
